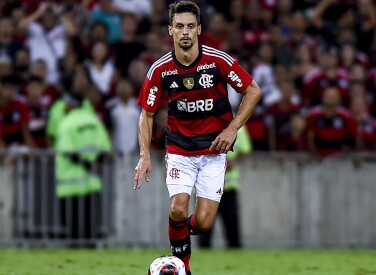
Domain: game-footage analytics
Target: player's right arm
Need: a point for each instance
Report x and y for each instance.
(143, 167)
(149, 100)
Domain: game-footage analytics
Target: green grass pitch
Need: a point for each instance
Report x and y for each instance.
(204, 262)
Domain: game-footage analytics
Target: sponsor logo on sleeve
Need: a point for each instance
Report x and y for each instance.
(235, 78)
(151, 97)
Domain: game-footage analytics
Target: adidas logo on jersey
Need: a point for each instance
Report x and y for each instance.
(174, 85)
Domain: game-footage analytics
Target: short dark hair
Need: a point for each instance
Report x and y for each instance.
(181, 7)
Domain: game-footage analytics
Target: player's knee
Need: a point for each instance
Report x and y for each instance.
(203, 225)
(178, 213)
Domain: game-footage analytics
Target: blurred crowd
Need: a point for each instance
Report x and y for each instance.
(315, 61)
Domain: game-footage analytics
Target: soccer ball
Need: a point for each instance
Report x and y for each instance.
(167, 265)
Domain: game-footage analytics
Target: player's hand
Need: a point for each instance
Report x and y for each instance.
(142, 169)
(224, 140)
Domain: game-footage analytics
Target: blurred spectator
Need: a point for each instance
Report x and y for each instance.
(331, 129)
(216, 32)
(97, 103)
(303, 64)
(154, 48)
(128, 47)
(5, 66)
(47, 39)
(50, 91)
(365, 28)
(124, 115)
(349, 57)
(283, 55)
(14, 115)
(8, 46)
(254, 28)
(327, 75)
(81, 144)
(279, 115)
(39, 105)
(139, 7)
(263, 74)
(296, 138)
(366, 123)
(21, 64)
(105, 12)
(78, 85)
(101, 68)
(159, 16)
(258, 130)
(357, 73)
(236, 16)
(137, 71)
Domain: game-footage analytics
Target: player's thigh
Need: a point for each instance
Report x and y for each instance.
(180, 174)
(211, 178)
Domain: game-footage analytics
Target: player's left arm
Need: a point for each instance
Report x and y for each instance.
(226, 138)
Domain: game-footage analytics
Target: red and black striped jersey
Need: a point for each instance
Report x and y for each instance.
(197, 98)
(331, 134)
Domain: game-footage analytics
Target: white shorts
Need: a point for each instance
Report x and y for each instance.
(205, 172)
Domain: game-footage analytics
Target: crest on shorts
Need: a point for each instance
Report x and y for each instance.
(189, 83)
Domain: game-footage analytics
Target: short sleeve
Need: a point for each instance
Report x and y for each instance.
(236, 76)
(151, 93)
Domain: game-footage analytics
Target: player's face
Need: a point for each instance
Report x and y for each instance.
(184, 30)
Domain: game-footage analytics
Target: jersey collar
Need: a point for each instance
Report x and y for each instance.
(194, 63)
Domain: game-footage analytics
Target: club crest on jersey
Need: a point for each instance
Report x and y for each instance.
(189, 83)
(206, 81)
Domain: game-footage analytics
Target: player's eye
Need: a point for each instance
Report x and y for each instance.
(179, 26)
(191, 26)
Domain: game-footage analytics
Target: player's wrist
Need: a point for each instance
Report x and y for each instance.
(145, 155)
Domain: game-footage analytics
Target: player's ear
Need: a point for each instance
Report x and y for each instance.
(169, 30)
(199, 29)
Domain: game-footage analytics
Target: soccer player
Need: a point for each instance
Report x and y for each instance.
(200, 128)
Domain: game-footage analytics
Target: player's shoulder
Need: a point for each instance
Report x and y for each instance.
(218, 55)
(159, 64)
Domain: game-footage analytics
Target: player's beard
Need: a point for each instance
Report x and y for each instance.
(186, 44)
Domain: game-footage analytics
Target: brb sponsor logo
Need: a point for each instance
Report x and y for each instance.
(201, 105)
(205, 67)
(234, 77)
(169, 72)
(151, 97)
